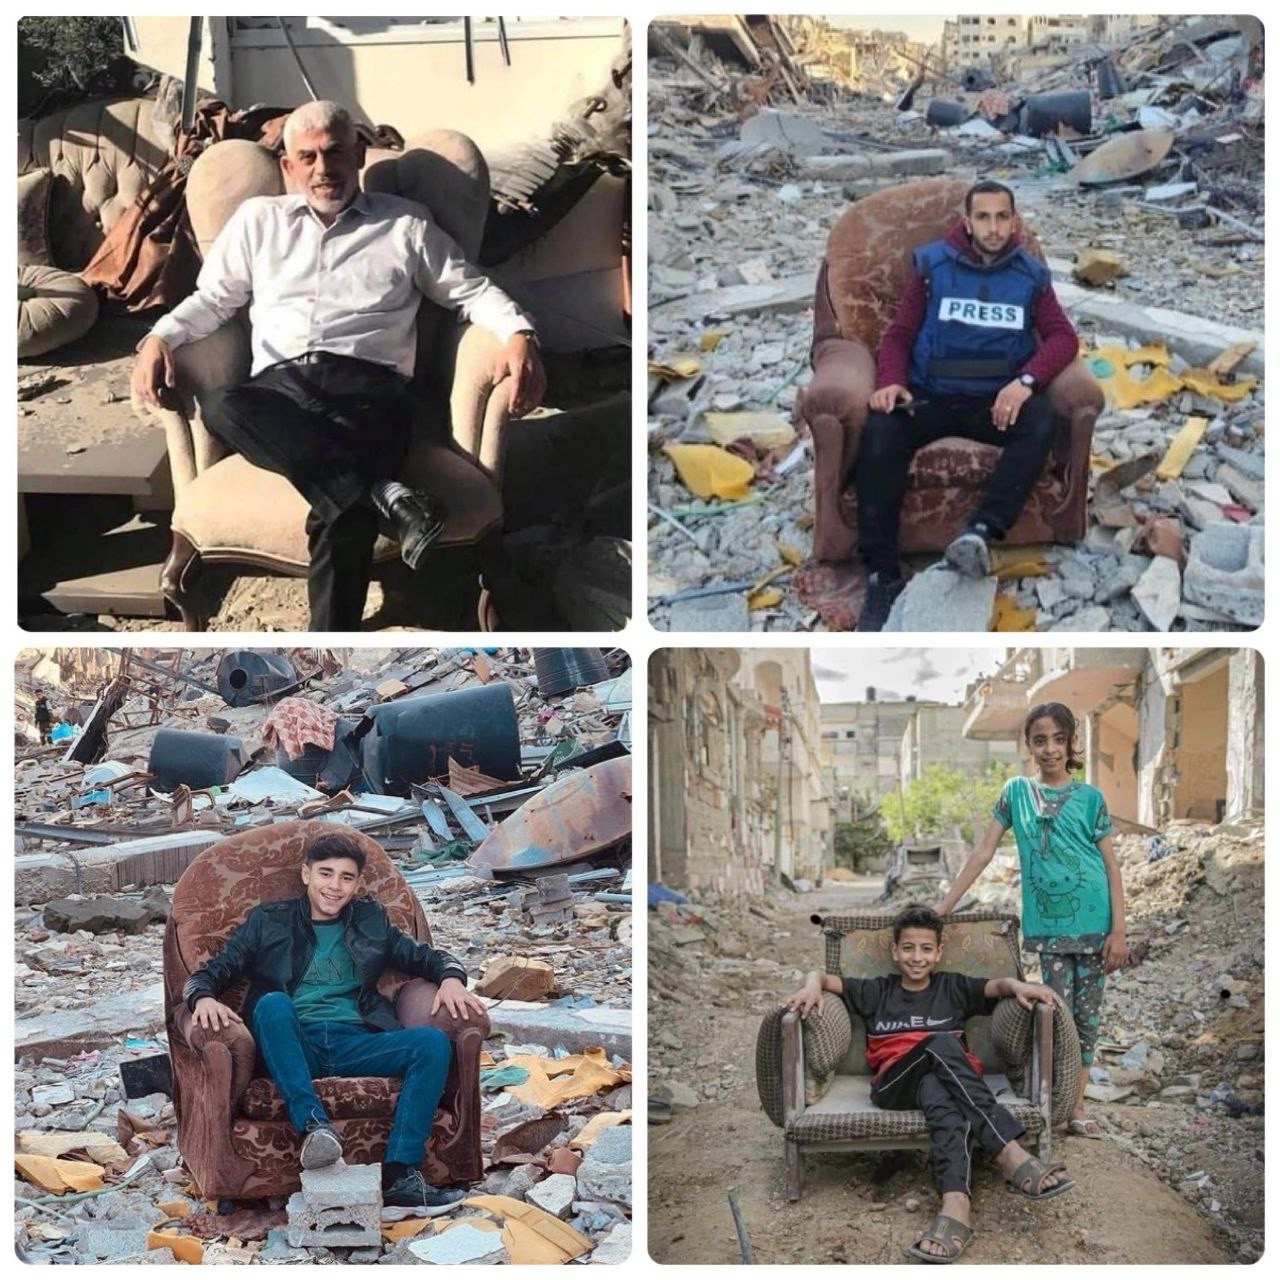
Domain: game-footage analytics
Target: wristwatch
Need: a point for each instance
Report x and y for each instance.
(1028, 380)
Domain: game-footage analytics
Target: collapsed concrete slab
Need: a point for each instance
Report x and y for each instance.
(108, 868)
(575, 1029)
(915, 163)
(62, 1032)
(940, 599)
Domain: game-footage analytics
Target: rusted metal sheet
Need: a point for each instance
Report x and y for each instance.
(577, 816)
(1127, 155)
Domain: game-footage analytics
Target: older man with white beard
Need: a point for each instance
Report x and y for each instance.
(333, 277)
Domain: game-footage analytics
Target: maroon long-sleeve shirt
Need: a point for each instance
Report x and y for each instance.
(1058, 341)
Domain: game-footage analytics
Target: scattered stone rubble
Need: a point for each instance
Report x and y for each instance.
(89, 1004)
(739, 210)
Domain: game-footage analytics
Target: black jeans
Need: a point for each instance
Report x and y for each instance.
(958, 1106)
(890, 439)
(331, 429)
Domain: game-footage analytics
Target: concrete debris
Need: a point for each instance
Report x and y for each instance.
(749, 167)
(940, 599)
(88, 993)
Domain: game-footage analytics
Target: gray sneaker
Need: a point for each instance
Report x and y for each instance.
(969, 553)
(322, 1146)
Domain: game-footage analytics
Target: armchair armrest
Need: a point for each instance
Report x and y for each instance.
(1077, 400)
(1040, 1072)
(792, 1067)
(834, 408)
(478, 407)
(413, 1008)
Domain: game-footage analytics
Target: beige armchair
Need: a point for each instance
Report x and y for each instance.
(228, 511)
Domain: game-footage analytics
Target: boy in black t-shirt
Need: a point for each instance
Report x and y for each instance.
(919, 1060)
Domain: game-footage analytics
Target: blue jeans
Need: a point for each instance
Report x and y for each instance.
(296, 1053)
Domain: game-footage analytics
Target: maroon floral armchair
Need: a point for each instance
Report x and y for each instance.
(233, 1134)
(859, 284)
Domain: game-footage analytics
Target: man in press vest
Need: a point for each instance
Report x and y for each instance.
(978, 336)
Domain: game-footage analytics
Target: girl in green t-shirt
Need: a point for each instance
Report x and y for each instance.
(1072, 894)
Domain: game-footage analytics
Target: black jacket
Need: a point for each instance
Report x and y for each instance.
(274, 945)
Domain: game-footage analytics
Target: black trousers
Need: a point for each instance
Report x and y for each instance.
(958, 1106)
(890, 439)
(331, 428)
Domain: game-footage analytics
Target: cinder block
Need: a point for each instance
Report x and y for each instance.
(337, 1206)
(1225, 571)
(342, 1185)
(605, 1174)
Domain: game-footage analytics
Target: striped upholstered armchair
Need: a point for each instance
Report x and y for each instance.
(813, 1078)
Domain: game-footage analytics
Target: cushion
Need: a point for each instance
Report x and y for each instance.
(235, 507)
(847, 1112)
(33, 218)
(223, 176)
(344, 1097)
(54, 308)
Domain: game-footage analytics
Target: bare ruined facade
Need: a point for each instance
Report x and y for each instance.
(736, 787)
(1167, 733)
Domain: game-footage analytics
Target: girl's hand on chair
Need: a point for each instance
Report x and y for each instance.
(804, 1000)
(1028, 993)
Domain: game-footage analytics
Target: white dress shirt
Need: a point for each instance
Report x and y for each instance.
(351, 288)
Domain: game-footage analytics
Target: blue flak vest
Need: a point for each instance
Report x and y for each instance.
(977, 331)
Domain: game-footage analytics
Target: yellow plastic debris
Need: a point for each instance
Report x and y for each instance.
(59, 1175)
(591, 1130)
(581, 1075)
(531, 1235)
(767, 598)
(185, 1248)
(765, 430)
(1019, 562)
(101, 1147)
(1009, 616)
(710, 340)
(408, 1227)
(1225, 362)
(1181, 447)
(792, 555)
(1205, 383)
(174, 1208)
(708, 471)
(677, 369)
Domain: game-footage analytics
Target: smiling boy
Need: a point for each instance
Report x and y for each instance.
(313, 965)
(919, 1060)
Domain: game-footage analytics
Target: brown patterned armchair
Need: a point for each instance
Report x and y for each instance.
(813, 1078)
(860, 281)
(233, 1133)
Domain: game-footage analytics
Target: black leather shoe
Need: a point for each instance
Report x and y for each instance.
(882, 591)
(411, 1195)
(322, 1146)
(419, 521)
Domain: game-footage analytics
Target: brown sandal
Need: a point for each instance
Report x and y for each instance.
(953, 1236)
(1028, 1176)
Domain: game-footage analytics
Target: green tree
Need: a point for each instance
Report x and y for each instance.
(943, 798)
(72, 57)
(861, 842)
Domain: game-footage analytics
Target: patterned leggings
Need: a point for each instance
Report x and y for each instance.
(1078, 978)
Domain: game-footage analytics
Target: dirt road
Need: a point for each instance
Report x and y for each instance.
(855, 1209)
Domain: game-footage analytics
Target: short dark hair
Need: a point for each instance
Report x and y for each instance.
(917, 916)
(1062, 716)
(337, 845)
(988, 187)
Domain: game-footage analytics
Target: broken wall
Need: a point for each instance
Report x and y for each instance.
(1245, 737)
(1201, 790)
(1110, 750)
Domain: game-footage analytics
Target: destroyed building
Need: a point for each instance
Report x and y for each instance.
(495, 786)
(737, 795)
(125, 516)
(1167, 734)
(1136, 159)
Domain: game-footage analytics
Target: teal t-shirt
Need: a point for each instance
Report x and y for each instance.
(330, 987)
(1066, 900)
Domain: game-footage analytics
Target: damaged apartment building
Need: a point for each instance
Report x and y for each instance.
(1167, 733)
(737, 798)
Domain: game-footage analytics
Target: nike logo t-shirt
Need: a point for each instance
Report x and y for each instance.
(898, 1020)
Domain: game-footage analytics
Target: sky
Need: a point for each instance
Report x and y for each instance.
(940, 674)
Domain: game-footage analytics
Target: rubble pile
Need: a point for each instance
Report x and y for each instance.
(1150, 214)
(547, 949)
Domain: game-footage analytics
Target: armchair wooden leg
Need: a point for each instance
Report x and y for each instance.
(793, 1169)
(182, 566)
